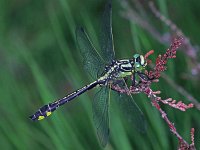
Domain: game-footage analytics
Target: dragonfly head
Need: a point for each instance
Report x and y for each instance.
(139, 62)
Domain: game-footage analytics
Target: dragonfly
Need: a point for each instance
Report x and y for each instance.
(106, 71)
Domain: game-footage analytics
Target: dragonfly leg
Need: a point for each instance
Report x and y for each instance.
(144, 76)
(133, 79)
(125, 80)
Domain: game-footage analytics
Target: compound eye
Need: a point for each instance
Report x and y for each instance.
(138, 59)
(142, 60)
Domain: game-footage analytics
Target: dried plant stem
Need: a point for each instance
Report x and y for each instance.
(155, 103)
(183, 145)
(181, 90)
(143, 86)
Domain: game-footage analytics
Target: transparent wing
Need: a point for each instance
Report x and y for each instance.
(92, 61)
(131, 111)
(101, 115)
(106, 37)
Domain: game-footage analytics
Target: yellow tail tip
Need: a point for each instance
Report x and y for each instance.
(48, 113)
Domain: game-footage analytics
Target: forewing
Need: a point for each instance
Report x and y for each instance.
(93, 63)
(101, 115)
(106, 37)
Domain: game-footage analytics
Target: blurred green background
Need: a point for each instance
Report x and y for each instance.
(40, 62)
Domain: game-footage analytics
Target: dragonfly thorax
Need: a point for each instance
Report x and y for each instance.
(118, 69)
(122, 68)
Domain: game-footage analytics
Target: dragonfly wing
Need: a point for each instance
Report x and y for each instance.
(106, 37)
(132, 112)
(101, 115)
(92, 61)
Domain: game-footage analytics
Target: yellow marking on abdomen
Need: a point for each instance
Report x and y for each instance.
(48, 113)
(41, 117)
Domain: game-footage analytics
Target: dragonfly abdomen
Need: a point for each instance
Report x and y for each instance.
(46, 110)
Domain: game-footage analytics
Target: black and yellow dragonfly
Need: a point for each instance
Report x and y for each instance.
(107, 71)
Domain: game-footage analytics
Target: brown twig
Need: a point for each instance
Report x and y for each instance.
(144, 87)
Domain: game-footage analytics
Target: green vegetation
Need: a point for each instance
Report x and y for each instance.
(40, 62)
